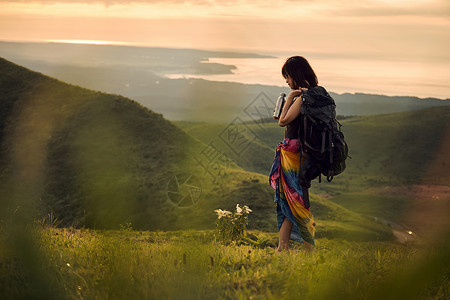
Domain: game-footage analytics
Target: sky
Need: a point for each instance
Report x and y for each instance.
(358, 46)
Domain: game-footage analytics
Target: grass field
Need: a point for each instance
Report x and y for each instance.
(73, 263)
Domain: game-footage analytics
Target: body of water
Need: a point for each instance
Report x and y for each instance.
(392, 77)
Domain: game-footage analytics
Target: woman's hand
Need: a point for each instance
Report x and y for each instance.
(294, 93)
(290, 110)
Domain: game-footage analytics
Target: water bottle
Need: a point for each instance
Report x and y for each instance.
(279, 106)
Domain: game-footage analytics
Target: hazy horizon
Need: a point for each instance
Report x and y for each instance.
(339, 73)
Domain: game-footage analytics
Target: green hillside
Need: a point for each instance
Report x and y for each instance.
(389, 149)
(93, 159)
(399, 163)
(400, 169)
(79, 152)
(260, 138)
(99, 160)
(400, 148)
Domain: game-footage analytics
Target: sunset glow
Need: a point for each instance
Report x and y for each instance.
(413, 35)
(88, 42)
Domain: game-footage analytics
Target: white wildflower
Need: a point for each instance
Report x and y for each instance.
(227, 213)
(238, 209)
(247, 209)
(220, 213)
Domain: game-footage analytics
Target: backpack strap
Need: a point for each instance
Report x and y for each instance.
(304, 127)
(330, 146)
(322, 150)
(340, 125)
(304, 124)
(329, 176)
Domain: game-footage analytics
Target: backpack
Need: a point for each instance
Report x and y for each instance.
(323, 146)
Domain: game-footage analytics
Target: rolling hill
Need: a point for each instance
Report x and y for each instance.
(98, 160)
(399, 169)
(385, 149)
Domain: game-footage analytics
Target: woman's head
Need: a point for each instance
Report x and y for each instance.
(298, 68)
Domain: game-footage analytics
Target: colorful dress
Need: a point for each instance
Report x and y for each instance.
(291, 198)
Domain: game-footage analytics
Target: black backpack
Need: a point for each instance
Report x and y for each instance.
(322, 142)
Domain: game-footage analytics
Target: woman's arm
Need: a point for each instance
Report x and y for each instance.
(290, 110)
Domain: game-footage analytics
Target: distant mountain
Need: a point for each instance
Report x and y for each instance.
(98, 160)
(367, 104)
(139, 73)
(154, 59)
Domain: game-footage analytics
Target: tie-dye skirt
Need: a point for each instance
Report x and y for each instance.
(290, 199)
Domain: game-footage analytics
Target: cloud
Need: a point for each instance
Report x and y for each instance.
(113, 2)
(429, 10)
(273, 9)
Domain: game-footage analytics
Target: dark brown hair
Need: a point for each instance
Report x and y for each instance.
(299, 69)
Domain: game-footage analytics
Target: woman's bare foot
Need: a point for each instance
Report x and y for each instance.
(308, 247)
(284, 235)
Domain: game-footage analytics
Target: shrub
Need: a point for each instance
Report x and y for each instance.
(231, 226)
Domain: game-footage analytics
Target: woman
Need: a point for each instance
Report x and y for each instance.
(294, 218)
